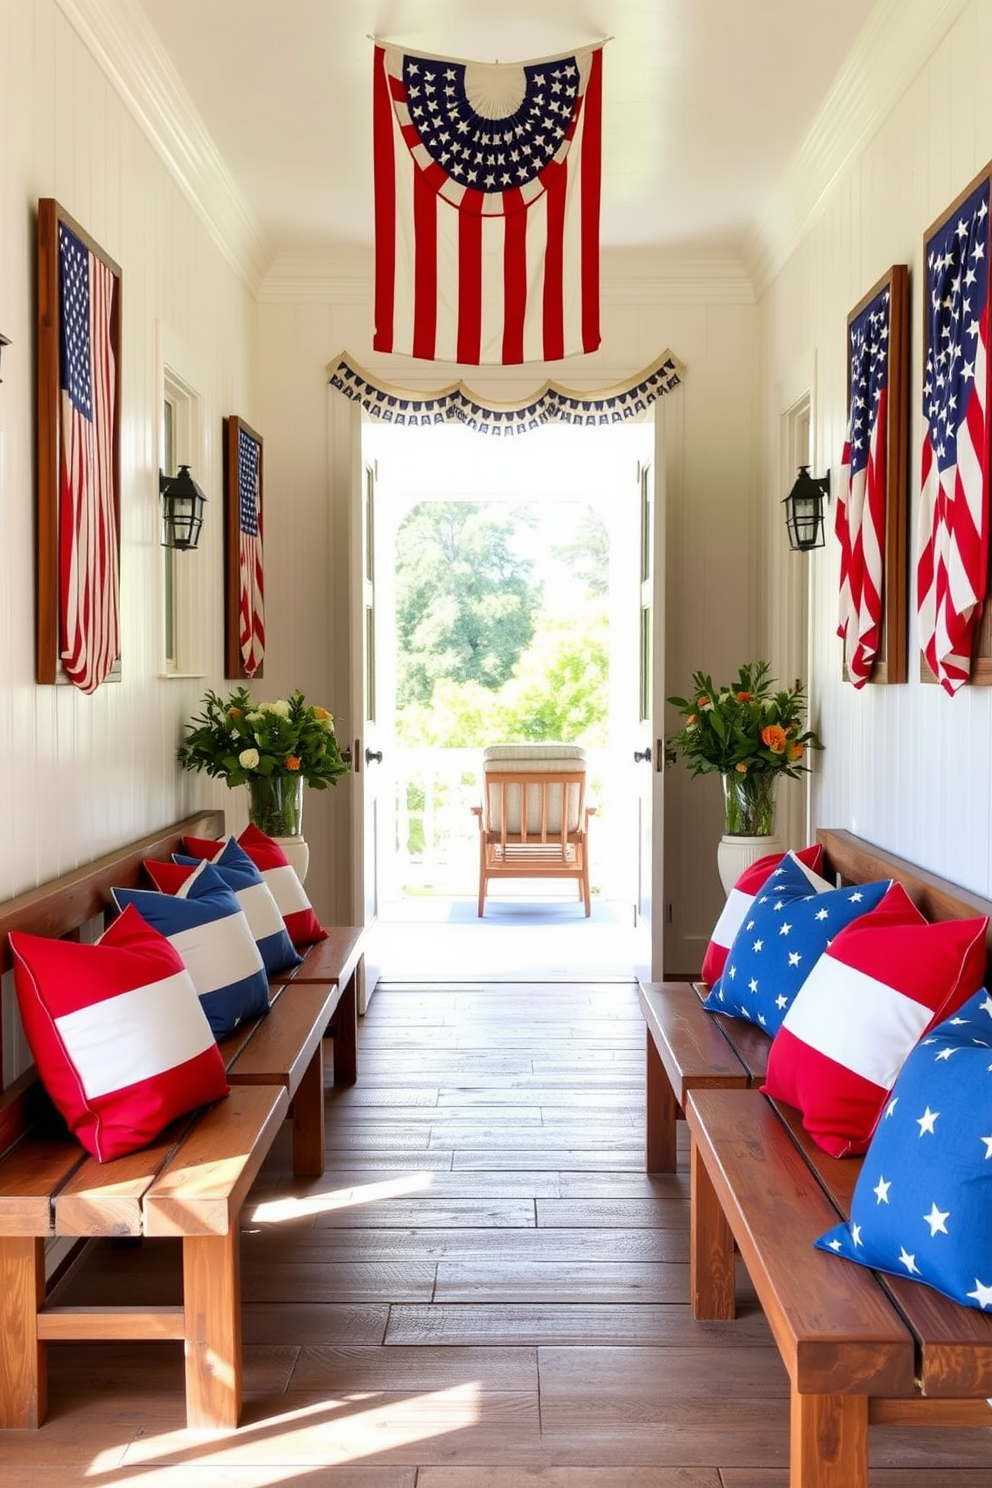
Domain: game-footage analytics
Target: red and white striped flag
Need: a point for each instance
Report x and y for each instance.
(487, 185)
(89, 579)
(860, 522)
(251, 606)
(952, 569)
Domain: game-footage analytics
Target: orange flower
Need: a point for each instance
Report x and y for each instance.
(703, 702)
(692, 718)
(234, 712)
(773, 737)
(796, 751)
(292, 763)
(741, 767)
(743, 697)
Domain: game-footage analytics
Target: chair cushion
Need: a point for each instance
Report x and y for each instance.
(117, 1032)
(922, 1205)
(533, 759)
(877, 988)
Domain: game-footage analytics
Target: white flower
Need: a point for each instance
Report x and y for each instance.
(254, 718)
(248, 759)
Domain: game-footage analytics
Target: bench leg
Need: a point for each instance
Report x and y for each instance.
(662, 1116)
(307, 1112)
(23, 1361)
(828, 1441)
(711, 1249)
(212, 1307)
(345, 1029)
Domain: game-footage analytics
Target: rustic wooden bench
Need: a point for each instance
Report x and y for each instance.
(859, 1347)
(690, 1049)
(191, 1183)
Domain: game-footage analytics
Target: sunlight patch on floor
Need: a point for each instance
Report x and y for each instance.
(279, 1211)
(331, 1427)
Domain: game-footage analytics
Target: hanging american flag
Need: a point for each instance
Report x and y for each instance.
(251, 608)
(89, 596)
(487, 184)
(952, 568)
(860, 522)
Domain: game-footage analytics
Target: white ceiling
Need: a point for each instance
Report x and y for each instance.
(705, 101)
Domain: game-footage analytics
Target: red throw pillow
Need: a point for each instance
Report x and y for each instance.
(739, 901)
(878, 988)
(117, 1032)
(298, 914)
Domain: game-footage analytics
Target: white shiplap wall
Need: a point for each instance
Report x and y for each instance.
(85, 774)
(906, 767)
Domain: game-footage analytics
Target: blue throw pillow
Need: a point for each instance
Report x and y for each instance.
(922, 1205)
(256, 899)
(786, 932)
(206, 926)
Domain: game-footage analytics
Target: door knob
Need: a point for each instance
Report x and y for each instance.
(642, 754)
(373, 754)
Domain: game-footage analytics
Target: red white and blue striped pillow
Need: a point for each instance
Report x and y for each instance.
(879, 986)
(117, 1032)
(207, 926)
(282, 878)
(255, 897)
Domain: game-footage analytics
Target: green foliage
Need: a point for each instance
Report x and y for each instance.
(588, 554)
(238, 739)
(746, 727)
(464, 599)
(558, 691)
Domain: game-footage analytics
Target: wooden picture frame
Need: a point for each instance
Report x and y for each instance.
(77, 600)
(244, 588)
(878, 350)
(980, 673)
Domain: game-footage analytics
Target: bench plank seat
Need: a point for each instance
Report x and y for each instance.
(191, 1182)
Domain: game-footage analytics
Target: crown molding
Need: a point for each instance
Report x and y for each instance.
(638, 277)
(127, 49)
(895, 44)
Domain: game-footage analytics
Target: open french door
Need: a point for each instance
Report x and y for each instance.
(646, 749)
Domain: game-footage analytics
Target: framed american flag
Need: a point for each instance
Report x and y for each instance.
(79, 436)
(952, 566)
(873, 503)
(244, 614)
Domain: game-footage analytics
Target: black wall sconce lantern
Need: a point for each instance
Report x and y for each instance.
(804, 511)
(182, 510)
(4, 341)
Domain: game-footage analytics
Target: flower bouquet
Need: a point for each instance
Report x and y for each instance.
(273, 748)
(751, 734)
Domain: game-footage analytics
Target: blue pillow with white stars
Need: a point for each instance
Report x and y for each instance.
(922, 1205)
(775, 949)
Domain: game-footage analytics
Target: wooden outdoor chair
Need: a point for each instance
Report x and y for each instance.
(534, 821)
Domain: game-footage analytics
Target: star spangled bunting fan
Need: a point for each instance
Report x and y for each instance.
(487, 183)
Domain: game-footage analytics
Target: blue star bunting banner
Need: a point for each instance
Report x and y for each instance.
(551, 404)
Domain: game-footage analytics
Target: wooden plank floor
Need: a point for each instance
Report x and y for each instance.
(484, 1291)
